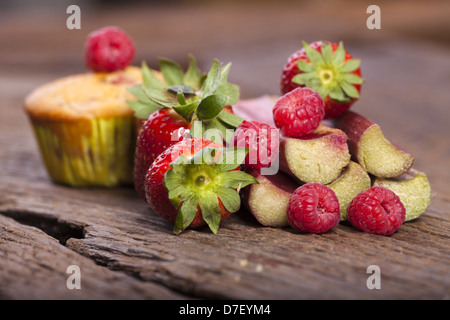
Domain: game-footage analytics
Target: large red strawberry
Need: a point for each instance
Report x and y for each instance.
(162, 129)
(327, 68)
(196, 182)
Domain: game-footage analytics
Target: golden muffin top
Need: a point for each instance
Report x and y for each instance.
(85, 96)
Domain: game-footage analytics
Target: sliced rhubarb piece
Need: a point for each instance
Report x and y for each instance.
(353, 180)
(319, 157)
(413, 189)
(256, 109)
(372, 150)
(268, 200)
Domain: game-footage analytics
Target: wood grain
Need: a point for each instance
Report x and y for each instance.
(125, 251)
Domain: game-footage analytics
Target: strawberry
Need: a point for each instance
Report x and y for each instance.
(181, 101)
(196, 182)
(163, 128)
(327, 68)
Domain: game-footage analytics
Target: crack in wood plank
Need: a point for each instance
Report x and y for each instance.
(57, 228)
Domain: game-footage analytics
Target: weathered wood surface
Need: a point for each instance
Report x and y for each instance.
(125, 251)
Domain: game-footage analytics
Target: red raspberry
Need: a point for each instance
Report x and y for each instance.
(108, 49)
(298, 112)
(376, 210)
(313, 208)
(262, 140)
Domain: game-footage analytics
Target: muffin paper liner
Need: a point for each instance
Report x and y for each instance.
(83, 153)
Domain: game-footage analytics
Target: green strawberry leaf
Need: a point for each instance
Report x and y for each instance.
(196, 130)
(137, 91)
(187, 110)
(305, 66)
(206, 156)
(237, 179)
(313, 55)
(212, 130)
(161, 97)
(224, 74)
(142, 107)
(316, 85)
(350, 65)
(212, 79)
(185, 214)
(322, 91)
(231, 158)
(217, 125)
(349, 89)
(337, 94)
(327, 53)
(149, 78)
(142, 110)
(211, 106)
(230, 198)
(303, 78)
(230, 90)
(352, 78)
(192, 77)
(171, 71)
(229, 119)
(216, 131)
(211, 213)
(339, 55)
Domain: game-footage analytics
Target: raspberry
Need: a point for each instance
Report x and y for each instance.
(376, 210)
(108, 49)
(298, 112)
(262, 140)
(313, 208)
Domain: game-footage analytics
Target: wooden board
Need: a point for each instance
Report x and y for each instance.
(124, 250)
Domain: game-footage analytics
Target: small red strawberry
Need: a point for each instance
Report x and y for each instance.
(163, 128)
(327, 68)
(196, 182)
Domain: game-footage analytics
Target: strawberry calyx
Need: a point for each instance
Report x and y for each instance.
(210, 180)
(193, 95)
(329, 73)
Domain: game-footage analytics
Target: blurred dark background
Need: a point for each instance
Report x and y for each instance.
(406, 64)
(257, 36)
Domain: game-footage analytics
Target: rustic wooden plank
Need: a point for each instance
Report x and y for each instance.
(126, 251)
(33, 266)
(245, 260)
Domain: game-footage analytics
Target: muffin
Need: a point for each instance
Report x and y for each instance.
(85, 128)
